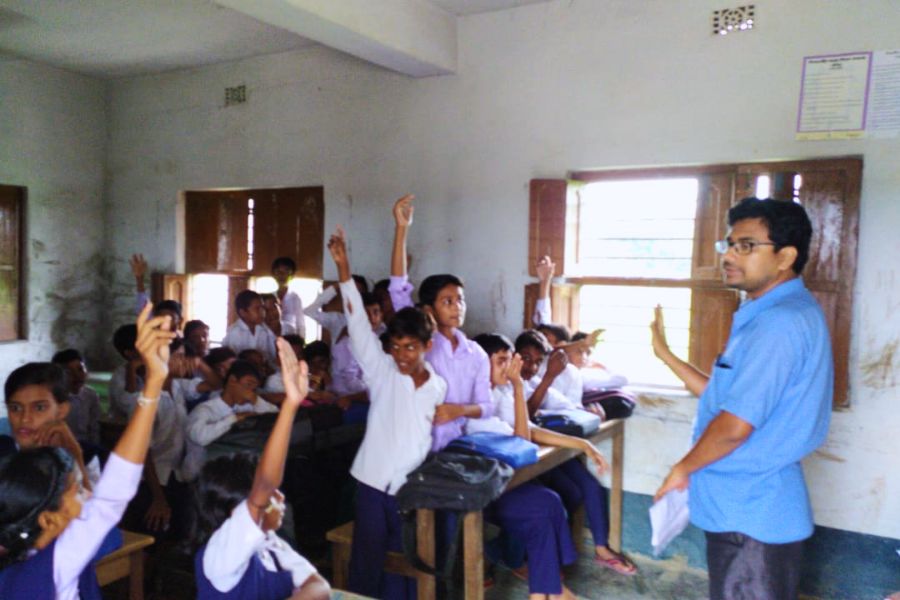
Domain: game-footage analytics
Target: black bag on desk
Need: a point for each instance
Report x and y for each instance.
(448, 481)
(616, 403)
(577, 422)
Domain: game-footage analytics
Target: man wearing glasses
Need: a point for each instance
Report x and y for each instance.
(766, 405)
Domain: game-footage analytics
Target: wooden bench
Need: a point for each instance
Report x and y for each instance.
(127, 561)
(341, 539)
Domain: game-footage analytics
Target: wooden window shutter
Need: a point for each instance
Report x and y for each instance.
(289, 222)
(711, 313)
(171, 286)
(714, 198)
(531, 296)
(565, 306)
(547, 222)
(216, 232)
(12, 309)
(236, 285)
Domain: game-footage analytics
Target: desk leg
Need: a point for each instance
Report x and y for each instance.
(425, 541)
(136, 577)
(473, 554)
(615, 500)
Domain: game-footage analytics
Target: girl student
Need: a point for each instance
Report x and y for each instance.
(49, 529)
(239, 508)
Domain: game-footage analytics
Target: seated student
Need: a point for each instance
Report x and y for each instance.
(213, 418)
(332, 321)
(84, 403)
(318, 356)
(283, 269)
(383, 294)
(122, 384)
(217, 361)
(273, 313)
(49, 531)
(274, 385)
(239, 509)
(196, 338)
(346, 374)
(256, 358)
(250, 331)
(404, 392)
(571, 480)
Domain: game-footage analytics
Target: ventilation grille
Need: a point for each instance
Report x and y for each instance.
(733, 20)
(235, 95)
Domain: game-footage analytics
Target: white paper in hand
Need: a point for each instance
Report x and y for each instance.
(668, 518)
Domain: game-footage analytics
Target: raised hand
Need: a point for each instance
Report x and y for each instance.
(153, 339)
(138, 266)
(337, 246)
(658, 334)
(514, 370)
(557, 362)
(545, 268)
(403, 211)
(294, 373)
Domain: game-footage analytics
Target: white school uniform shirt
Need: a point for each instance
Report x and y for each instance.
(570, 384)
(80, 540)
(333, 322)
(553, 400)
(541, 314)
(239, 338)
(292, 315)
(208, 422)
(234, 543)
(503, 418)
(398, 430)
(274, 383)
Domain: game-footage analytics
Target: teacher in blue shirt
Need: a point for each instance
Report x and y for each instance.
(766, 405)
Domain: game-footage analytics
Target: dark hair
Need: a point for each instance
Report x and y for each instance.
(265, 297)
(217, 356)
(369, 299)
(242, 368)
(247, 353)
(284, 261)
(578, 336)
(31, 481)
(361, 283)
(315, 350)
(432, 286)
(46, 374)
(224, 483)
(560, 332)
(787, 222)
(64, 357)
(381, 284)
(493, 343)
(170, 305)
(190, 326)
(534, 339)
(410, 322)
(294, 339)
(244, 299)
(124, 338)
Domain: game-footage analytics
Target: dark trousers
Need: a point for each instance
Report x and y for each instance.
(576, 486)
(376, 531)
(742, 568)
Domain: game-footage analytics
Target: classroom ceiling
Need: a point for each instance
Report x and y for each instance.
(120, 38)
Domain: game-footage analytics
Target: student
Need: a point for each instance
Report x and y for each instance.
(346, 374)
(196, 338)
(382, 293)
(273, 313)
(48, 531)
(318, 356)
(250, 331)
(274, 385)
(460, 361)
(571, 480)
(84, 403)
(283, 269)
(239, 508)
(258, 360)
(213, 418)
(332, 321)
(404, 392)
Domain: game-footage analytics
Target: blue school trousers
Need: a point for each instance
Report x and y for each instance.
(577, 486)
(534, 516)
(376, 531)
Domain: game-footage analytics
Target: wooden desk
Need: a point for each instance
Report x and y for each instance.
(549, 457)
(127, 561)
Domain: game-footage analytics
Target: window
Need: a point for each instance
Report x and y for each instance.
(12, 214)
(624, 241)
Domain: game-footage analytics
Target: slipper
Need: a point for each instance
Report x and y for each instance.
(619, 564)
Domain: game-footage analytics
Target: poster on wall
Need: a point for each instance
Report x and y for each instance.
(850, 96)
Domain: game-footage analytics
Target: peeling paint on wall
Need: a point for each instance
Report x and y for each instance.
(829, 456)
(878, 370)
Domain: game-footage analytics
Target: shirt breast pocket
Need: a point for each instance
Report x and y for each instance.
(722, 377)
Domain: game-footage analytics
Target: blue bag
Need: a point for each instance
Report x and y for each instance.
(577, 422)
(510, 449)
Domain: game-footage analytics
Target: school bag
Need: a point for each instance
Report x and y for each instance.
(616, 403)
(448, 481)
(579, 423)
(510, 449)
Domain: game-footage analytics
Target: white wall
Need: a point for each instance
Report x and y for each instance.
(541, 90)
(53, 132)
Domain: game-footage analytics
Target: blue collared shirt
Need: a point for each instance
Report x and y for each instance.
(777, 374)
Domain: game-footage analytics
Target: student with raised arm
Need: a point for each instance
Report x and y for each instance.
(49, 531)
(239, 509)
(404, 392)
(454, 357)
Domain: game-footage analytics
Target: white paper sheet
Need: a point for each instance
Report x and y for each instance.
(668, 518)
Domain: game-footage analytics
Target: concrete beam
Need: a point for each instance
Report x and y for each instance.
(413, 37)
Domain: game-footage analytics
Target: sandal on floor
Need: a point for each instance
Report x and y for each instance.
(617, 563)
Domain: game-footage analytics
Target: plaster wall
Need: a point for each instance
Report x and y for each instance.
(53, 132)
(540, 90)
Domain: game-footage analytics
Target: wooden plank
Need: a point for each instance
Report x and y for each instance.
(425, 542)
(127, 561)
(473, 554)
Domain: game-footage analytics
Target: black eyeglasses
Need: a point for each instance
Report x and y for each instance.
(742, 247)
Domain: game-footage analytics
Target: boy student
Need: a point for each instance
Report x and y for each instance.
(332, 321)
(457, 359)
(346, 374)
(210, 420)
(283, 269)
(404, 392)
(84, 403)
(250, 331)
(273, 313)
